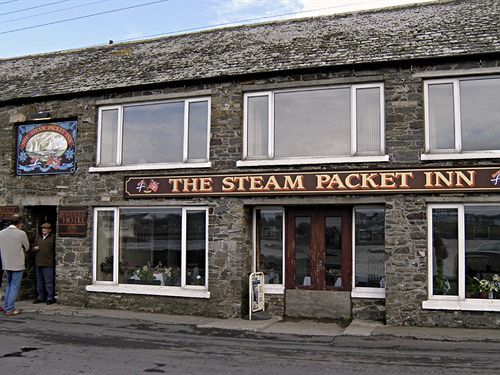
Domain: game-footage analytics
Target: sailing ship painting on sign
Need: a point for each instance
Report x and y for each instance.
(46, 148)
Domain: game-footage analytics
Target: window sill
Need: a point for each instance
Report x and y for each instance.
(462, 304)
(461, 156)
(304, 161)
(149, 290)
(145, 167)
(274, 289)
(378, 293)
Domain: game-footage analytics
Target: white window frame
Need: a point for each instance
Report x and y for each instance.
(192, 291)
(353, 158)
(455, 153)
(269, 288)
(186, 162)
(362, 292)
(443, 302)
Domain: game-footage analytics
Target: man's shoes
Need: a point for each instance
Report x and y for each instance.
(51, 301)
(38, 301)
(1, 309)
(13, 312)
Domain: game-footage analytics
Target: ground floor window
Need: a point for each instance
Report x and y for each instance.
(464, 255)
(369, 251)
(153, 246)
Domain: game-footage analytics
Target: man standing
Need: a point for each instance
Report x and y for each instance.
(45, 253)
(13, 244)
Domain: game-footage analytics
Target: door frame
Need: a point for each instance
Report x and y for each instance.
(318, 214)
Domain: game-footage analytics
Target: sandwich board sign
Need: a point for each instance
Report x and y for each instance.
(256, 293)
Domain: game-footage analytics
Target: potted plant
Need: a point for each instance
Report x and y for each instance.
(170, 275)
(487, 287)
(144, 275)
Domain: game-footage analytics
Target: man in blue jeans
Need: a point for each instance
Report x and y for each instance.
(13, 244)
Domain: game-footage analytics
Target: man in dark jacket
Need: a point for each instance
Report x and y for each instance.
(44, 259)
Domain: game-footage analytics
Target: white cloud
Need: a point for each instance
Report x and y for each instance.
(237, 10)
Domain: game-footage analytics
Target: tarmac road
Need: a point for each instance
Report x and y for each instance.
(42, 344)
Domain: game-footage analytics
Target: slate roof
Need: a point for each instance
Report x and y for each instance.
(423, 31)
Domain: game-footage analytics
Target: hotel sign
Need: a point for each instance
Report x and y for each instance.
(72, 221)
(481, 179)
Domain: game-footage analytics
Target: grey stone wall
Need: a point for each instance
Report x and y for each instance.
(230, 248)
(368, 309)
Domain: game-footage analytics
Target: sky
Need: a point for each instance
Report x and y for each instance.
(39, 26)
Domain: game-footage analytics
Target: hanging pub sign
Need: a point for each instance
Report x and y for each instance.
(46, 148)
(72, 221)
(474, 179)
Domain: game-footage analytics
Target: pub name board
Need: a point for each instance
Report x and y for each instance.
(482, 179)
(72, 221)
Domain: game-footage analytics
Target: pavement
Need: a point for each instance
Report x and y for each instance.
(275, 325)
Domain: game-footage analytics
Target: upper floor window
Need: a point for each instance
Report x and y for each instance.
(462, 117)
(314, 124)
(139, 135)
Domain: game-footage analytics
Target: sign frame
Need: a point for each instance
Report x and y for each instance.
(44, 148)
(72, 221)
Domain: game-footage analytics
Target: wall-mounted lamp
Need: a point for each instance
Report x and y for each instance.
(40, 116)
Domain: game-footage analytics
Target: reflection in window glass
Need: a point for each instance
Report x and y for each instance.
(313, 123)
(150, 246)
(153, 133)
(195, 247)
(333, 251)
(441, 117)
(197, 130)
(482, 250)
(258, 119)
(269, 244)
(445, 251)
(480, 114)
(303, 250)
(104, 245)
(109, 137)
(369, 247)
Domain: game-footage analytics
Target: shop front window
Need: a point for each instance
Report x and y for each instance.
(369, 252)
(164, 247)
(269, 246)
(464, 257)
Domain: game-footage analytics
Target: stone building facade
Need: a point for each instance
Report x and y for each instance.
(236, 123)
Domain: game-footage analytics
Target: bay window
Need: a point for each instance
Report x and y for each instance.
(172, 134)
(313, 125)
(151, 251)
(462, 118)
(464, 257)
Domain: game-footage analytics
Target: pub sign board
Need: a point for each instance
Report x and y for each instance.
(72, 221)
(8, 212)
(46, 148)
(473, 179)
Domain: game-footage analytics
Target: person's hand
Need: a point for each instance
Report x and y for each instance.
(35, 248)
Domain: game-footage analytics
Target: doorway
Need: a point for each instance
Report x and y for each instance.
(33, 218)
(318, 247)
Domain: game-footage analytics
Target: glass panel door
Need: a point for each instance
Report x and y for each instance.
(318, 249)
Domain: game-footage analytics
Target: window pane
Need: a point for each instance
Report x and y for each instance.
(480, 114)
(368, 121)
(109, 134)
(257, 126)
(269, 245)
(369, 247)
(198, 130)
(333, 251)
(445, 251)
(196, 247)
(105, 238)
(150, 246)
(313, 123)
(482, 250)
(441, 117)
(303, 250)
(153, 133)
